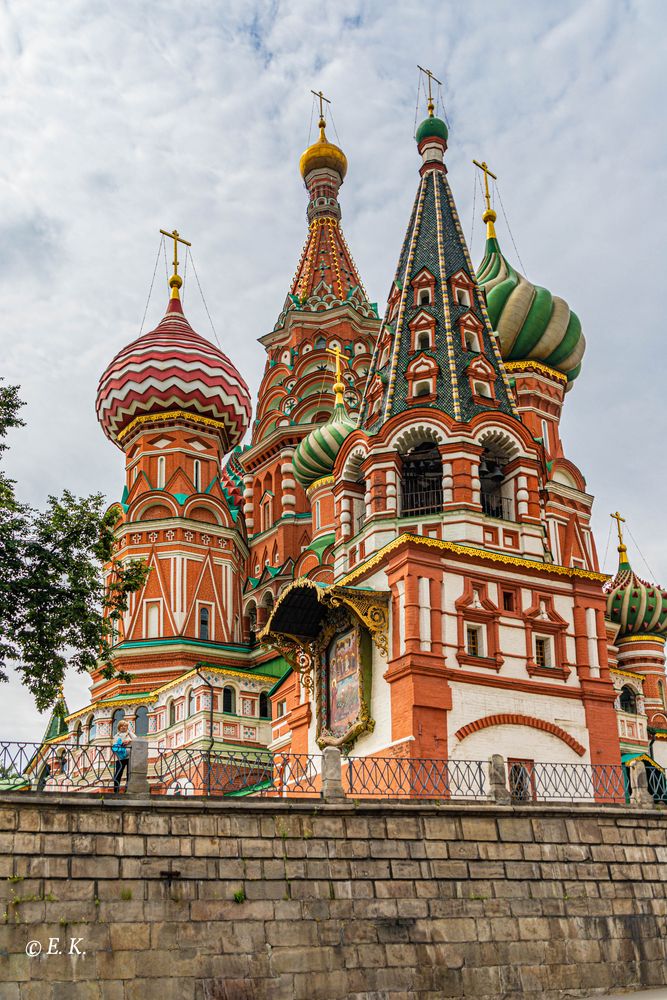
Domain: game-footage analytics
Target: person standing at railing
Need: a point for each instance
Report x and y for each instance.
(121, 751)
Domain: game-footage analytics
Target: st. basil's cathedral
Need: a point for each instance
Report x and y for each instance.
(400, 562)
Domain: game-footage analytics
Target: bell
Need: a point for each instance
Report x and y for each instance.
(495, 474)
(483, 469)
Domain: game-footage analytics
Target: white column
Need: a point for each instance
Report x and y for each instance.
(592, 633)
(400, 596)
(425, 613)
(288, 483)
(248, 507)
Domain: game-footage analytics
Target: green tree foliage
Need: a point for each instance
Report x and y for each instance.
(55, 609)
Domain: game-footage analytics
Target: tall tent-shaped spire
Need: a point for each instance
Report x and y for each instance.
(436, 346)
(326, 274)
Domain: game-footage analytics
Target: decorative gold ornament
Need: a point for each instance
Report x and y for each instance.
(521, 366)
(175, 282)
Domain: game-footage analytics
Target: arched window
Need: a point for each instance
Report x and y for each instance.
(197, 475)
(77, 734)
(421, 480)
(192, 705)
(482, 389)
(229, 700)
(264, 712)
(661, 694)
(425, 297)
(172, 713)
(320, 343)
(424, 341)
(472, 342)
(91, 728)
(117, 717)
(204, 616)
(141, 721)
(161, 471)
(628, 700)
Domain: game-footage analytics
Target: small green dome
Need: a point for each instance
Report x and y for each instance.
(432, 127)
(531, 323)
(638, 607)
(316, 454)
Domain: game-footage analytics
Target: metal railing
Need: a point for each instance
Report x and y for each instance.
(494, 505)
(420, 502)
(57, 767)
(530, 781)
(418, 778)
(220, 772)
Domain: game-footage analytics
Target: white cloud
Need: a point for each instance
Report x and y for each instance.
(119, 119)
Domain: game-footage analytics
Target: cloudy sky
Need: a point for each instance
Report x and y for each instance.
(123, 118)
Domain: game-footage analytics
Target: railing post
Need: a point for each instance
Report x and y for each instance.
(332, 775)
(640, 795)
(137, 784)
(498, 780)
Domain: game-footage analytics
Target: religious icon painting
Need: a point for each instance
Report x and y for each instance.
(344, 689)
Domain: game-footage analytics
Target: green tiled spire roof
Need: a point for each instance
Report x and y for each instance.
(434, 244)
(532, 324)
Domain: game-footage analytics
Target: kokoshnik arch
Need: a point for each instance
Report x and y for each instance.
(400, 561)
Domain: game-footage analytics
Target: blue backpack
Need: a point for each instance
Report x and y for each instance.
(118, 749)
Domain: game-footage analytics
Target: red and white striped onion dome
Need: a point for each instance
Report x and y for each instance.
(173, 371)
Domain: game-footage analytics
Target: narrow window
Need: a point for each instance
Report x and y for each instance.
(508, 600)
(545, 434)
(482, 389)
(472, 641)
(542, 652)
(191, 703)
(91, 729)
(172, 713)
(229, 700)
(317, 514)
(264, 706)
(152, 620)
(472, 342)
(425, 297)
(117, 717)
(197, 475)
(281, 709)
(521, 780)
(424, 341)
(77, 734)
(161, 471)
(141, 721)
(661, 693)
(462, 297)
(204, 616)
(422, 389)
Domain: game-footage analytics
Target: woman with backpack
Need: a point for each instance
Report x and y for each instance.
(121, 751)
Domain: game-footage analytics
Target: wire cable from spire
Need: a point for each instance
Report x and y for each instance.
(606, 550)
(334, 125)
(166, 265)
(185, 274)
(509, 230)
(310, 127)
(150, 290)
(651, 573)
(474, 203)
(194, 268)
(419, 90)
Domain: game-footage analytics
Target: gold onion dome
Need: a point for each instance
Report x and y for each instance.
(323, 155)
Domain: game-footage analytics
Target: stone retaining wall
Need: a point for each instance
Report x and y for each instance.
(274, 900)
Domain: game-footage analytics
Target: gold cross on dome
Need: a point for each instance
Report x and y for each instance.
(323, 100)
(339, 385)
(484, 167)
(429, 76)
(175, 281)
(619, 521)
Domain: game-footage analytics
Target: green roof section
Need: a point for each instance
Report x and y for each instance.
(322, 543)
(432, 126)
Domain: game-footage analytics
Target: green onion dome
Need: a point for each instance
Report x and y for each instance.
(638, 607)
(532, 324)
(316, 454)
(430, 127)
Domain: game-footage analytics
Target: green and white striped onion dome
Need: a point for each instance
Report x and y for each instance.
(316, 454)
(640, 608)
(532, 324)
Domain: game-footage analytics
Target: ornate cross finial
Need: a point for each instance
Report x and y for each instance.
(175, 281)
(622, 549)
(489, 215)
(323, 100)
(427, 73)
(339, 385)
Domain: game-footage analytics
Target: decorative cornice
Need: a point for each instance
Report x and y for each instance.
(324, 481)
(660, 639)
(627, 673)
(145, 699)
(467, 550)
(171, 415)
(521, 366)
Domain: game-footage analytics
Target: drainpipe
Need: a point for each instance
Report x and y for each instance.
(210, 725)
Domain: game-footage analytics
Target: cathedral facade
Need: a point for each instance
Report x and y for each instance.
(400, 562)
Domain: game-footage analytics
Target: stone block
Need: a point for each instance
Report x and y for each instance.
(442, 828)
(130, 937)
(479, 828)
(95, 867)
(515, 829)
(8, 818)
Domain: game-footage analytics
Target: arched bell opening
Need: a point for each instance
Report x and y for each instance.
(496, 491)
(421, 480)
